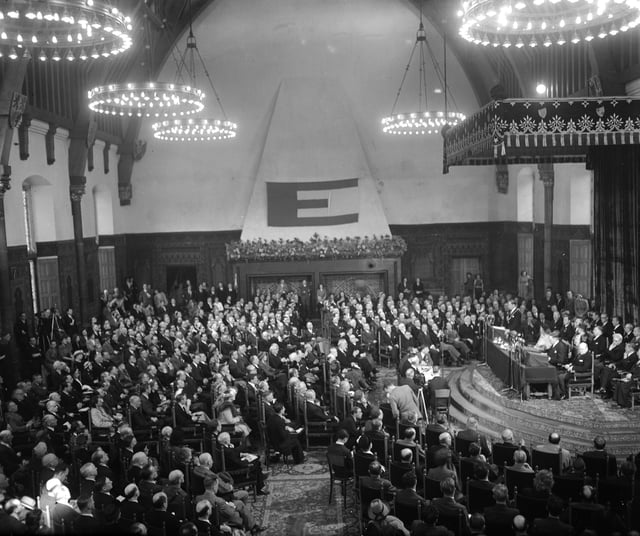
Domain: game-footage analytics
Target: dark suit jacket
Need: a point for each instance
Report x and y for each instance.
(139, 419)
(87, 525)
(9, 459)
(559, 354)
(315, 413)
(132, 510)
(498, 519)
(550, 526)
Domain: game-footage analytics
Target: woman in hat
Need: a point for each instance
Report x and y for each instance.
(383, 523)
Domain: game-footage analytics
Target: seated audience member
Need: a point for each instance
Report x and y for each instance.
(520, 462)
(499, 517)
(551, 525)
(429, 524)
(381, 522)
(407, 495)
(447, 504)
(375, 481)
(553, 446)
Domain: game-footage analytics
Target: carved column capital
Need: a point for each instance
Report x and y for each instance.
(125, 194)
(5, 178)
(77, 188)
(547, 174)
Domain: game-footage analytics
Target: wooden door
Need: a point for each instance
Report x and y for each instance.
(107, 267)
(580, 271)
(48, 283)
(460, 266)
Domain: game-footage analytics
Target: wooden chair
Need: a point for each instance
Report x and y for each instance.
(339, 472)
(466, 469)
(396, 471)
(406, 513)
(454, 522)
(478, 497)
(462, 445)
(313, 429)
(244, 477)
(531, 507)
(599, 465)
(384, 353)
(380, 447)
(442, 401)
(366, 495)
(502, 454)
(547, 460)
(567, 487)
(431, 488)
(582, 382)
(516, 480)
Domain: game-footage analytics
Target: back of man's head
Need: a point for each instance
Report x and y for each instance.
(500, 493)
(375, 468)
(342, 434)
(160, 500)
(448, 487)
(599, 442)
(406, 455)
(408, 480)
(554, 438)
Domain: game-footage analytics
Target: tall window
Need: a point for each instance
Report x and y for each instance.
(27, 203)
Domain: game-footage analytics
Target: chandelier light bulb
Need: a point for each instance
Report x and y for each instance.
(63, 25)
(545, 20)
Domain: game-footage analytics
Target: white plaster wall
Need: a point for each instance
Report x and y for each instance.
(249, 48)
(54, 221)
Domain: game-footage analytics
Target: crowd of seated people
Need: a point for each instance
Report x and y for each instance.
(467, 493)
(161, 390)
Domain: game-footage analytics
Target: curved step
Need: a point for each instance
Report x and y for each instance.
(532, 421)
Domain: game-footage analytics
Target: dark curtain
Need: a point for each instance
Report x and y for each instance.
(616, 241)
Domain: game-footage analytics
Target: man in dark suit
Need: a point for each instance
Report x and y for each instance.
(407, 495)
(447, 505)
(159, 516)
(9, 459)
(138, 418)
(351, 424)
(86, 523)
(283, 437)
(499, 517)
(551, 525)
(559, 358)
(470, 434)
(596, 456)
(429, 524)
(514, 317)
(375, 481)
(338, 448)
(234, 459)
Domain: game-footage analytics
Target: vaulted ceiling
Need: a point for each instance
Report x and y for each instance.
(56, 92)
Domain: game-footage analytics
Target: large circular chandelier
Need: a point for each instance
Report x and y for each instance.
(62, 29)
(532, 23)
(420, 123)
(148, 99)
(425, 120)
(194, 129)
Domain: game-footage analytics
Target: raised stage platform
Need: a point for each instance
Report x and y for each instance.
(477, 391)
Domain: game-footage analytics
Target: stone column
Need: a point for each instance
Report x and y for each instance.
(6, 307)
(76, 191)
(12, 106)
(547, 176)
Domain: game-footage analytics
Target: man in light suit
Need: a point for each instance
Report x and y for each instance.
(403, 399)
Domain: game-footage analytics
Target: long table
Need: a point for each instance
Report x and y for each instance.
(520, 368)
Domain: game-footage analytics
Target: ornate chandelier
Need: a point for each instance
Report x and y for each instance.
(194, 129)
(534, 23)
(148, 99)
(62, 29)
(423, 121)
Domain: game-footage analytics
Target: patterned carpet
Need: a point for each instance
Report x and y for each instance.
(298, 503)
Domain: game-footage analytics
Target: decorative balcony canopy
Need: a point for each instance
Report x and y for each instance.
(523, 131)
